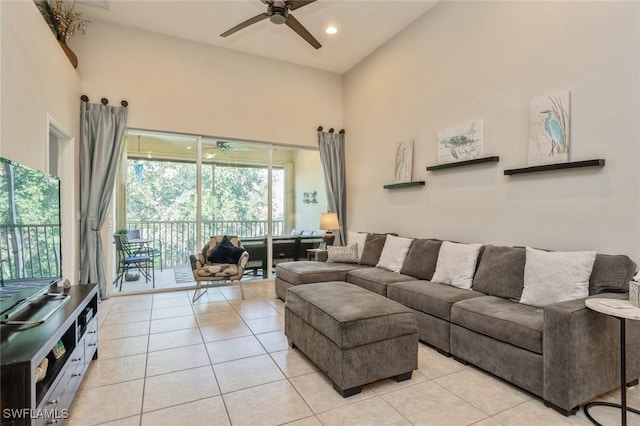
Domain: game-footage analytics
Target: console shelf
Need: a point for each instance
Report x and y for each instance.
(24, 347)
(404, 184)
(558, 166)
(492, 159)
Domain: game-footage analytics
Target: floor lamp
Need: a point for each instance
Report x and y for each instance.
(329, 222)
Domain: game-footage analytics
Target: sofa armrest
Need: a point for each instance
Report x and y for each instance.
(196, 261)
(581, 352)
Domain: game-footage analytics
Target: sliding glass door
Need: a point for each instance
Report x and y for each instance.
(180, 190)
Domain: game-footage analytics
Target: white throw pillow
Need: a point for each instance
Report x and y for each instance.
(556, 276)
(394, 253)
(456, 264)
(357, 238)
(345, 254)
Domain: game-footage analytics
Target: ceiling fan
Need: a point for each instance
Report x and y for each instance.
(278, 13)
(227, 146)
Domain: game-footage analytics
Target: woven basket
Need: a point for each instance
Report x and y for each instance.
(634, 293)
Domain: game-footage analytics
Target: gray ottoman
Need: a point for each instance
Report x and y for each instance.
(353, 335)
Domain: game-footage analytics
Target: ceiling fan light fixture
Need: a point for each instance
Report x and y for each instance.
(331, 30)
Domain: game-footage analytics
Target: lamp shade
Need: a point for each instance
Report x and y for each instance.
(329, 221)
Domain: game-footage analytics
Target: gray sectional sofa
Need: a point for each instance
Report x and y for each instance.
(562, 352)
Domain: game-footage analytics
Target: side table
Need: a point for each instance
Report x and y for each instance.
(622, 310)
(312, 254)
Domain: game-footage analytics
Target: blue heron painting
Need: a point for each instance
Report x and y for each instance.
(404, 161)
(549, 129)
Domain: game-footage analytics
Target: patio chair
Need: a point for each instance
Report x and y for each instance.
(126, 261)
(147, 248)
(222, 259)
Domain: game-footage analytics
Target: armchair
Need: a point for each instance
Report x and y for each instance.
(207, 272)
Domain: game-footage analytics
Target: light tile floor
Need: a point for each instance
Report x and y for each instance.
(222, 360)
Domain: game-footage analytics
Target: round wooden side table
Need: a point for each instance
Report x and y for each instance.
(622, 310)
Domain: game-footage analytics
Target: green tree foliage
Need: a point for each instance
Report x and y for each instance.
(34, 195)
(166, 191)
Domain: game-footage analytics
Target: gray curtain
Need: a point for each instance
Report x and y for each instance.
(101, 135)
(332, 156)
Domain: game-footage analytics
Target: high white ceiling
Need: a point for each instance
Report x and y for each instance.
(363, 26)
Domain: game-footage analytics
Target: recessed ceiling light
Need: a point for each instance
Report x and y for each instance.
(331, 30)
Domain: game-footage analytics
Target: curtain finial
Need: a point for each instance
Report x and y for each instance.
(320, 128)
(84, 98)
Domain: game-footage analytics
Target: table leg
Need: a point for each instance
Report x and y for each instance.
(623, 383)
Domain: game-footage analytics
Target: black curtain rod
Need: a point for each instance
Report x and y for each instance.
(103, 101)
(331, 130)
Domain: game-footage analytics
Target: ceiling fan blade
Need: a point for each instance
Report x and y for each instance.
(245, 24)
(296, 26)
(296, 4)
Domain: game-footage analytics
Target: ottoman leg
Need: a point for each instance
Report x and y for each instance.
(403, 377)
(347, 392)
(293, 345)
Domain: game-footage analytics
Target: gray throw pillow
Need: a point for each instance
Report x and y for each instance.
(501, 272)
(421, 259)
(611, 273)
(372, 249)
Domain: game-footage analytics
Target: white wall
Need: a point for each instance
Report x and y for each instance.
(38, 83)
(487, 60)
(182, 86)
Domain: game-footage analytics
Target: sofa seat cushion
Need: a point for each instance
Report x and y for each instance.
(431, 298)
(502, 319)
(306, 272)
(375, 279)
(349, 315)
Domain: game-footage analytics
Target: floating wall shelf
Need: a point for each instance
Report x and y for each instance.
(558, 166)
(493, 159)
(404, 184)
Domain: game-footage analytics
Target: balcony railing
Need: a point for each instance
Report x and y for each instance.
(29, 251)
(33, 251)
(177, 239)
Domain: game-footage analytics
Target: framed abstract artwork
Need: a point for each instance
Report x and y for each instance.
(549, 121)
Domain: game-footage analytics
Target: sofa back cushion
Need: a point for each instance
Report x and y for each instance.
(372, 249)
(611, 273)
(501, 272)
(421, 259)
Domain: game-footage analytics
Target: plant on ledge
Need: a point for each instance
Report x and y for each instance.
(63, 21)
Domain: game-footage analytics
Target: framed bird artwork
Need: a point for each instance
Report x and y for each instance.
(403, 161)
(549, 123)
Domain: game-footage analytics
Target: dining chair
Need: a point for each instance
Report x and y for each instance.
(127, 261)
(149, 248)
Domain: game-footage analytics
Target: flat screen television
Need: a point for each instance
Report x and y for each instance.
(30, 249)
